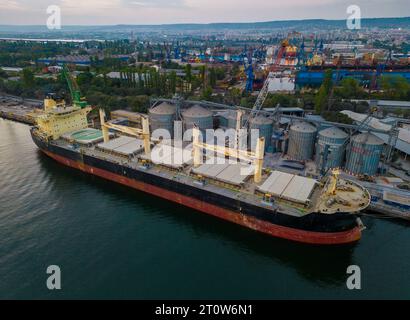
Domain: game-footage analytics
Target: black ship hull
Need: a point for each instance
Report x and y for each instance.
(314, 228)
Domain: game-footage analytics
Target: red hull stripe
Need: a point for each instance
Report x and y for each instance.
(247, 221)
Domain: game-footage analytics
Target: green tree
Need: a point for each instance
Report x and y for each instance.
(28, 78)
(188, 72)
(203, 76)
(350, 89)
(138, 103)
(207, 93)
(212, 77)
(322, 96)
(173, 82)
(234, 96)
(395, 87)
(3, 74)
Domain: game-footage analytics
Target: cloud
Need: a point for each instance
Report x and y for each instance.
(12, 5)
(158, 3)
(90, 6)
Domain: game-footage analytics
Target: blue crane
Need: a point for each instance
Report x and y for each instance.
(379, 71)
(302, 55)
(321, 46)
(250, 77)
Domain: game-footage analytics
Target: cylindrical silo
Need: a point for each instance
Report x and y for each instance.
(199, 116)
(222, 119)
(364, 154)
(232, 117)
(162, 116)
(265, 127)
(330, 148)
(301, 141)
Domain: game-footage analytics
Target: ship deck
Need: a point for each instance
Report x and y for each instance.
(246, 190)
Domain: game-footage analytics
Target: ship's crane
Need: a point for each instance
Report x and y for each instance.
(256, 157)
(75, 92)
(136, 132)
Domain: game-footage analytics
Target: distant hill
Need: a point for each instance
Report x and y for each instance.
(296, 24)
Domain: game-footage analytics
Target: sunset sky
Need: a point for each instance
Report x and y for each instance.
(97, 12)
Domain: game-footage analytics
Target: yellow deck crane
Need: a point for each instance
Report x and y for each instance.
(136, 132)
(331, 191)
(256, 157)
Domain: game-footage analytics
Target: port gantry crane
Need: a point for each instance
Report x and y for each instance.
(301, 56)
(375, 83)
(75, 92)
(250, 76)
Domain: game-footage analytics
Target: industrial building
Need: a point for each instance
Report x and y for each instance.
(315, 78)
(79, 60)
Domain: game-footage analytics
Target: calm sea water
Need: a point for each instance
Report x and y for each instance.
(113, 242)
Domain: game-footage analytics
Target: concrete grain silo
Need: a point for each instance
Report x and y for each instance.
(302, 137)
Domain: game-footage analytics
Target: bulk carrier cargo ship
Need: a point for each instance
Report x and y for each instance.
(279, 204)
